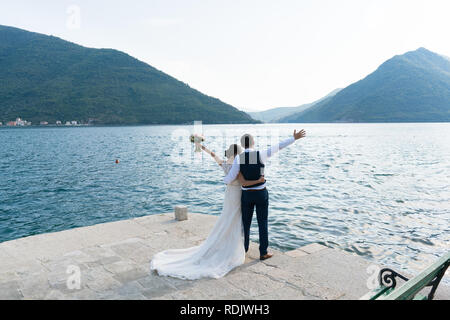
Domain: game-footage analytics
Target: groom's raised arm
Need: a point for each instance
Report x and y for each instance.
(266, 154)
(234, 171)
(283, 144)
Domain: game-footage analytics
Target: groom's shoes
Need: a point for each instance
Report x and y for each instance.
(265, 257)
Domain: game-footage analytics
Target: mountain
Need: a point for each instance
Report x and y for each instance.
(44, 78)
(275, 114)
(413, 87)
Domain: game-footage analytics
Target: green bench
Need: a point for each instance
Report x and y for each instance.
(430, 277)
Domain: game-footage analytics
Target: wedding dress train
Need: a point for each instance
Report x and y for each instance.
(222, 251)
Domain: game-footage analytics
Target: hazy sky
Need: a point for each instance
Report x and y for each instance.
(251, 54)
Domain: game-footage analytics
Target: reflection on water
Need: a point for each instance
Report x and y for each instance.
(379, 190)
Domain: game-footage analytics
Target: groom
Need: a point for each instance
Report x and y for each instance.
(251, 164)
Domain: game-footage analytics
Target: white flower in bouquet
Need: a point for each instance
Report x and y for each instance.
(197, 139)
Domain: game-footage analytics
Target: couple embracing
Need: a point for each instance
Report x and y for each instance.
(225, 247)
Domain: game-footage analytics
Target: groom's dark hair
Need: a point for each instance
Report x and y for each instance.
(247, 140)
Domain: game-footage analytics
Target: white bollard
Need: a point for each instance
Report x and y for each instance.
(181, 213)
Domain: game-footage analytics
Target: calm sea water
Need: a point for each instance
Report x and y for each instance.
(379, 190)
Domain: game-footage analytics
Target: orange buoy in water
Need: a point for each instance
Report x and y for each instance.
(117, 161)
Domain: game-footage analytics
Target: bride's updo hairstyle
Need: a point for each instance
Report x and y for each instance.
(233, 151)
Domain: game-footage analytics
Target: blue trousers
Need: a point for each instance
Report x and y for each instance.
(260, 200)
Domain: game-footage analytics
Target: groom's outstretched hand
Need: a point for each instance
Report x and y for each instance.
(300, 134)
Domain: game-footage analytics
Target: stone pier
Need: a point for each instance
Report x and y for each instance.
(111, 261)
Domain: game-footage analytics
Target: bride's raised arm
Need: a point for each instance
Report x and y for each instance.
(212, 154)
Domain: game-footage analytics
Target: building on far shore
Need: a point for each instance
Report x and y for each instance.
(1, 123)
(18, 123)
(58, 123)
(71, 123)
(43, 123)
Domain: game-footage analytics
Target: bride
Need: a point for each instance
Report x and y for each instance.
(223, 249)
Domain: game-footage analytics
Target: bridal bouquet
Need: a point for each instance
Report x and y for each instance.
(197, 139)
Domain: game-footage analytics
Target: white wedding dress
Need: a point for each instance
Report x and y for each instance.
(221, 252)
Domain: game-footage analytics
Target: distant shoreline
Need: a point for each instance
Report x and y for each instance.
(213, 124)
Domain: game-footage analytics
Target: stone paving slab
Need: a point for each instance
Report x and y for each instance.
(112, 260)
